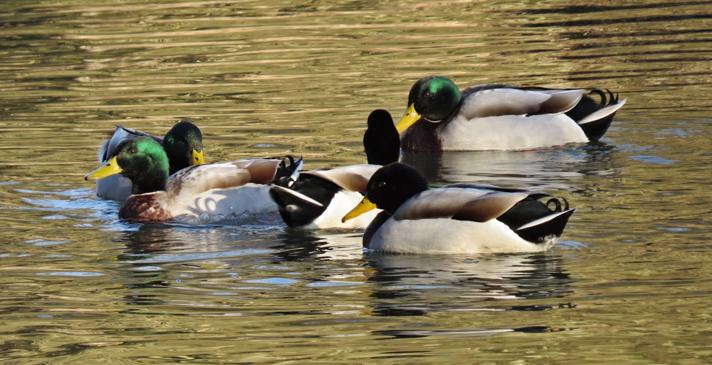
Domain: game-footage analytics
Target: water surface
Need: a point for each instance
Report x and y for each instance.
(630, 283)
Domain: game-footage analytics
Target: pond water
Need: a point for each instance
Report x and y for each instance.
(630, 283)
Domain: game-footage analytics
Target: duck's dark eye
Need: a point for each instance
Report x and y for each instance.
(132, 149)
(427, 94)
(381, 184)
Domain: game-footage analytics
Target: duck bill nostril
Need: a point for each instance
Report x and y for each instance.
(198, 157)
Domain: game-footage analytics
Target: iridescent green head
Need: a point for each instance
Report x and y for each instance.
(142, 160)
(184, 145)
(433, 98)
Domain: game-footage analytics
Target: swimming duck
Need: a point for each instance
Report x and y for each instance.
(456, 219)
(501, 117)
(209, 192)
(183, 144)
(321, 197)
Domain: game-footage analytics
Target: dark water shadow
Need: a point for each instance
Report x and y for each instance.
(468, 332)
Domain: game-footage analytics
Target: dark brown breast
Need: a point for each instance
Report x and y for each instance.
(145, 208)
(422, 136)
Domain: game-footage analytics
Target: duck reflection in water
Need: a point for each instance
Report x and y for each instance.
(157, 255)
(142, 279)
(420, 284)
(334, 244)
(555, 169)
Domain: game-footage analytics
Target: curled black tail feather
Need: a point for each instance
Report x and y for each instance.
(534, 207)
(557, 204)
(596, 129)
(588, 103)
(288, 171)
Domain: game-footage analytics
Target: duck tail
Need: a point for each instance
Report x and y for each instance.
(595, 117)
(295, 208)
(538, 217)
(288, 171)
(540, 230)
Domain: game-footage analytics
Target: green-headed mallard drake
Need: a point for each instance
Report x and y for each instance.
(456, 219)
(320, 198)
(183, 144)
(204, 193)
(501, 117)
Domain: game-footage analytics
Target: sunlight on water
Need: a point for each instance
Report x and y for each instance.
(629, 283)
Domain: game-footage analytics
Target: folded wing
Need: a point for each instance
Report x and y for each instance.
(483, 102)
(200, 178)
(477, 205)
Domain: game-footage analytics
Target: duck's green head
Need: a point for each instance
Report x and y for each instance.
(142, 160)
(389, 187)
(432, 98)
(184, 145)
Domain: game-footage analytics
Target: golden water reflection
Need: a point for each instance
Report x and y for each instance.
(628, 284)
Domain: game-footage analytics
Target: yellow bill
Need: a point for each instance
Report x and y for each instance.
(409, 118)
(364, 206)
(198, 157)
(109, 168)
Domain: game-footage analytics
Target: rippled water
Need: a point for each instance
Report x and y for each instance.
(629, 284)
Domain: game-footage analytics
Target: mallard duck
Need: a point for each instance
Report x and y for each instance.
(463, 218)
(205, 193)
(321, 197)
(183, 144)
(501, 117)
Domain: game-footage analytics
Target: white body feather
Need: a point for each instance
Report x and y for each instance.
(510, 132)
(216, 205)
(448, 236)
